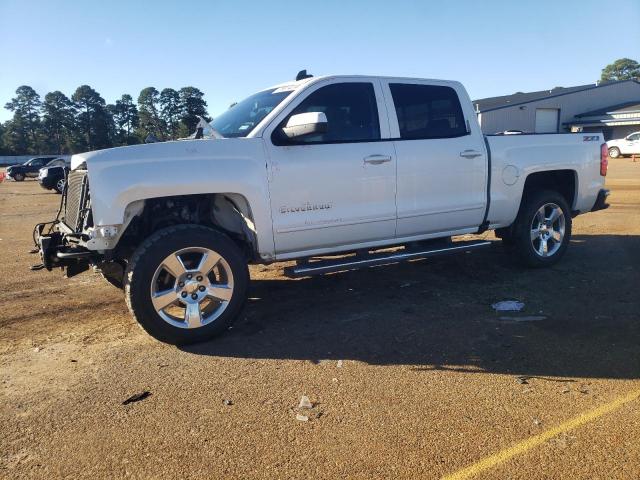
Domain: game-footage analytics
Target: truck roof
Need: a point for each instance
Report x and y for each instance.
(293, 84)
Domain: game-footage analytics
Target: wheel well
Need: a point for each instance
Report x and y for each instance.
(229, 213)
(561, 181)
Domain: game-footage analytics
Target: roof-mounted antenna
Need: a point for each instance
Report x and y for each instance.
(302, 74)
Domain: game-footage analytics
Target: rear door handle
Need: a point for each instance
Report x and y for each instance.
(377, 159)
(470, 154)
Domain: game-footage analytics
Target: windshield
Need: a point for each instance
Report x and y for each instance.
(243, 117)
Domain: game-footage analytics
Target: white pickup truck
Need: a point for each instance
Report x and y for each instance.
(306, 170)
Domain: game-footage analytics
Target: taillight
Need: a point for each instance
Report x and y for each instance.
(604, 159)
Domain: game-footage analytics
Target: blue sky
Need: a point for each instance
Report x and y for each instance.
(232, 49)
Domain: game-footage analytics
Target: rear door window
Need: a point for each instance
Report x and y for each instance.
(427, 111)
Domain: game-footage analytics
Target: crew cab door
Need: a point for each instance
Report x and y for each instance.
(442, 163)
(337, 188)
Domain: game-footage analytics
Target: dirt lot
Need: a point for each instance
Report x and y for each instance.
(411, 372)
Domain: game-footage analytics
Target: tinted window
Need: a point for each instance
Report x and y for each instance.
(635, 136)
(427, 111)
(351, 110)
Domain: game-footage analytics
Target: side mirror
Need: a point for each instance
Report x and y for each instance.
(304, 124)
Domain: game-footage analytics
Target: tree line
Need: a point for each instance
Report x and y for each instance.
(62, 125)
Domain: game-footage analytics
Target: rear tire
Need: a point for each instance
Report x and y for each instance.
(543, 229)
(186, 284)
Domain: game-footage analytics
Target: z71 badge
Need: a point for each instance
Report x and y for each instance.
(306, 207)
(590, 138)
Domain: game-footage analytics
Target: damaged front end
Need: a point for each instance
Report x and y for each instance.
(62, 241)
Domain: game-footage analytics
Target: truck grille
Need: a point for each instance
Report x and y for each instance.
(75, 201)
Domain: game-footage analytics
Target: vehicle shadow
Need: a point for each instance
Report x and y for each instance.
(581, 318)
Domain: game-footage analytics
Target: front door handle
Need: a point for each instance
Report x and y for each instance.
(377, 159)
(470, 154)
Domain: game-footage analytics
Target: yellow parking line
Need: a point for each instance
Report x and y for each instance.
(529, 443)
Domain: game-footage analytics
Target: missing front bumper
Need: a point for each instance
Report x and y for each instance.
(56, 251)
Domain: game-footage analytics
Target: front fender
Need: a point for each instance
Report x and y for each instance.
(122, 176)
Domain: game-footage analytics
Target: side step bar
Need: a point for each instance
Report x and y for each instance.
(319, 267)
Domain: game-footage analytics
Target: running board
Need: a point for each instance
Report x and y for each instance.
(319, 267)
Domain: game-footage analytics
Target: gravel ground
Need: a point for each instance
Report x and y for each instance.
(410, 372)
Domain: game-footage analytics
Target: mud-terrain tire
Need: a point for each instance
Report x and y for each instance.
(542, 229)
(199, 273)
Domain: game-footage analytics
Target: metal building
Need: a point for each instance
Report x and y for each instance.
(610, 107)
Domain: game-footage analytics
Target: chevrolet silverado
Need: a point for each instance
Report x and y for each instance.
(306, 170)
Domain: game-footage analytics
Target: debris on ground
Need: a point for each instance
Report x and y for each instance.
(305, 402)
(523, 380)
(508, 306)
(537, 421)
(37, 349)
(302, 418)
(136, 397)
(339, 363)
(227, 402)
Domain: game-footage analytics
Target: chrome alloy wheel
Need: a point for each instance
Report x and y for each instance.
(192, 287)
(547, 230)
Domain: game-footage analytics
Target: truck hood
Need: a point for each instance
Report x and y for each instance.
(120, 176)
(158, 152)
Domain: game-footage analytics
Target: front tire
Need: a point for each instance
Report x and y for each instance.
(614, 152)
(543, 229)
(186, 284)
(18, 177)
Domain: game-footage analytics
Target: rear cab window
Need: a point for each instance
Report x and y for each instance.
(427, 111)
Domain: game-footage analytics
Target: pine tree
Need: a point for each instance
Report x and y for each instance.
(192, 105)
(126, 120)
(58, 122)
(22, 134)
(148, 111)
(93, 122)
(170, 109)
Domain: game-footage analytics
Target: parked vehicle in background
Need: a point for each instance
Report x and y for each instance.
(629, 145)
(306, 170)
(30, 168)
(53, 175)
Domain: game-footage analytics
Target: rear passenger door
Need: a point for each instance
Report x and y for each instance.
(442, 164)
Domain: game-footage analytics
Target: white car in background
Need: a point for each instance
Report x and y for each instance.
(629, 145)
